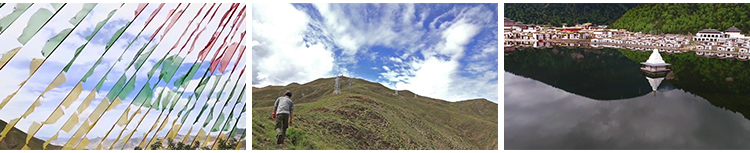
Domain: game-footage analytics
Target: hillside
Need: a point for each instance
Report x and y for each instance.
(571, 13)
(685, 18)
(373, 117)
(15, 140)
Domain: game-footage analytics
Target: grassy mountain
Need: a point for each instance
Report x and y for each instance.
(685, 18)
(15, 140)
(372, 117)
(571, 13)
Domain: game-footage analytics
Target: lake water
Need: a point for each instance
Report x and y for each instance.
(586, 98)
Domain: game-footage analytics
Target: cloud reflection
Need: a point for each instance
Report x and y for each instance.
(539, 116)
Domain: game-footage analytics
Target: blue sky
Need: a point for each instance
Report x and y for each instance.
(17, 69)
(445, 51)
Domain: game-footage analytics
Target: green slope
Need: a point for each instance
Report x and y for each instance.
(373, 117)
(571, 13)
(685, 18)
(16, 138)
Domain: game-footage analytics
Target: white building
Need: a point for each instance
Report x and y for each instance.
(710, 35)
(655, 63)
(730, 35)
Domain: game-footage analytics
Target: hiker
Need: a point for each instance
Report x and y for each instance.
(283, 108)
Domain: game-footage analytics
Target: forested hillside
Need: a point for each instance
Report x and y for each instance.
(556, 14)
(684, 18)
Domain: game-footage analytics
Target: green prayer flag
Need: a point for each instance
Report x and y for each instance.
(54, 42)
(144, 96)
(57, 6)
(78, 51)
(142, 57)
(167, 99)
(37, 20)
(229, 120)
(183, 81)
(153, 69)
(117, 35)
(174, 102)
(85, 10)
(201, 113)
(209, 117)
(169, 67)
(187, 113)
(129, 88)
(117, 87)
(19, 9)
(158, 98)
(101, 82)
(219, 122)
(101, 24)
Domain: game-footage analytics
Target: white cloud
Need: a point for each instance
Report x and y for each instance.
(440, 77)
(292, 46)
(281, 57)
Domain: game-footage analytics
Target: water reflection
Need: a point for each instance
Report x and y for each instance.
(585, 98)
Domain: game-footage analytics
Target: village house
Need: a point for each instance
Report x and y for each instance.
(508, 23)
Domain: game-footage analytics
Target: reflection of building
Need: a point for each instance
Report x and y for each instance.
(568, 29)
(654, 82)
(655, 63)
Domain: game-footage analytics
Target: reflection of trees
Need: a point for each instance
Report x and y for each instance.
(706, 77)
(603, 74)
(607, 74)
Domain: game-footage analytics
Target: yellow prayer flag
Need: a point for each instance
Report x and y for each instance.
(8, 127)
(72, 121)
(6, 57)
(163, 124)
(31, 109)
(85, 126)
(201, 135)
(26, 147)
(115, 103)
(35, 64)
(99, 110)
(46, 143)
(239, 145)
(173, 132)
(32, 131)
(86, 102)
(154, 125)
(143, 142)
(60, 79)
(83, 144)
(123, 118)
(73, 96)
(221, 137)
(56, 115)
(7, 99)
(208, 139)
(127, 137)
(77, 136)
(184, 140)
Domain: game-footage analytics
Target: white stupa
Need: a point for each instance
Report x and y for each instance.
(655, 63)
